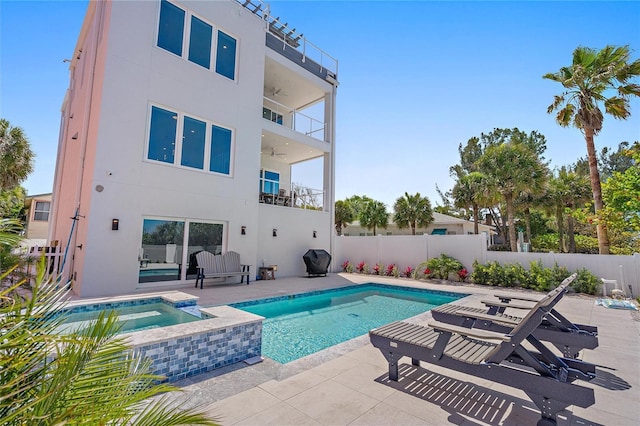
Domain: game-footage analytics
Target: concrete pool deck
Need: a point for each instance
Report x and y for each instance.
(348, 385)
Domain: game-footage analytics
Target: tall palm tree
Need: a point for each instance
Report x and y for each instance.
(510, 168)
(16, 157)
(470, 192)
(374, 215)
(595, 78)
(411, 211)
(343, 215)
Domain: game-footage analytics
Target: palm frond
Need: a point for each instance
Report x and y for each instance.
(617, 107)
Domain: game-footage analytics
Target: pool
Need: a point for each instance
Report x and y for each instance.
(302, 324)
(133, 317)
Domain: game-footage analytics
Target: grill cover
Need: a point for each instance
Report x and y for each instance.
(317, 261)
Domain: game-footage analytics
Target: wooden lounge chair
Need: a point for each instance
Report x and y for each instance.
(568, 337)
(220, 266)
(500, 357)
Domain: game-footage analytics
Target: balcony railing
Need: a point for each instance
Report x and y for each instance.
(293, 119)
(298, 197)
(291, 37)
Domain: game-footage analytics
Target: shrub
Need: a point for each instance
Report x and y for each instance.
(480, 274)
(378, 269)
(441, 267)
(347, 266)
(586, 282)
(362, 267)
(408, 272)
(389, 271)
(462, 274)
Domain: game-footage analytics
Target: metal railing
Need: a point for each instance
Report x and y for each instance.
(297, 196)
(296, 120)
(290, 36)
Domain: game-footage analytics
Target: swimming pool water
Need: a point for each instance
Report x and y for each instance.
(304, 324)
(133, 318)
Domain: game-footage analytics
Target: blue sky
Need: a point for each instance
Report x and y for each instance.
(417, 78)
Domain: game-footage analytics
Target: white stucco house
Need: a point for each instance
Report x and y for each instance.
(180, 131)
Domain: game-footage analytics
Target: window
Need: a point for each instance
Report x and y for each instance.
(170, 31)
(162, 136)
(220, 150)
(199, 36)
(200, 42)
(191, 141)
(271, 115)
(41, 210)
(226, 56)
(161, 253)
(269, 182)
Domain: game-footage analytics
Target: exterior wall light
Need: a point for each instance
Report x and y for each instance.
(115, 224)
(243, 230)
(315, 234)
(275, 232)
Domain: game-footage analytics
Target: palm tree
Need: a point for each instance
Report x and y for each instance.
(16, 157)
(343, 215)
(85, 377)
(412, 210)
(469, 192)
(510, 168)
(374, 215)
(588, 80)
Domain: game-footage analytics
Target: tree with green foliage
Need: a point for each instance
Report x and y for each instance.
(16, 157)
(511, 168)
(621, 192)
(344, 215)
(374, 215)
(469, 192)
(12, 202)
(411, 211)
(595, 77)
(357, 203)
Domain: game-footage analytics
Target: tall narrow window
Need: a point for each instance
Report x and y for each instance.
(171, 28)
(226, 55)
(162, 135)
(193, 141)
(41, 210)
(200, 42)
(220, 150)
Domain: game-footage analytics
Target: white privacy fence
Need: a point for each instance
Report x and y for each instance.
(410, 250)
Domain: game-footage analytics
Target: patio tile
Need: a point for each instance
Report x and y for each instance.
(292, 386)
(241, 406)
(332, 403)
(282, 415)
(361, 378)
(335, 366)
(385, 414)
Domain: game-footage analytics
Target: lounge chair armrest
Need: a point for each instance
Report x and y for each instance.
(469, 332)
(508, 297)
(506, 305)
(484, 317)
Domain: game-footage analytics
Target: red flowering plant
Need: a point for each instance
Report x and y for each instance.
(376, 270)
(347, 266)
(361, 267)
(408, 272)
(389, 271)
(428, 273)
(463, 274)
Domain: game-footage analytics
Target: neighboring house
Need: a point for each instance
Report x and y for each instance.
(180, 128)
(37, 208)
(442, 225)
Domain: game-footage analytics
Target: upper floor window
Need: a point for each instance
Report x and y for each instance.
(188, 145)
(170, 31)
(174, 27)
(269, 181)
(226, 55)
(41, 210)
(200, 42)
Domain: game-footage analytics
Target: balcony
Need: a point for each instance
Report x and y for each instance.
(296, 196)
(292, 118)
